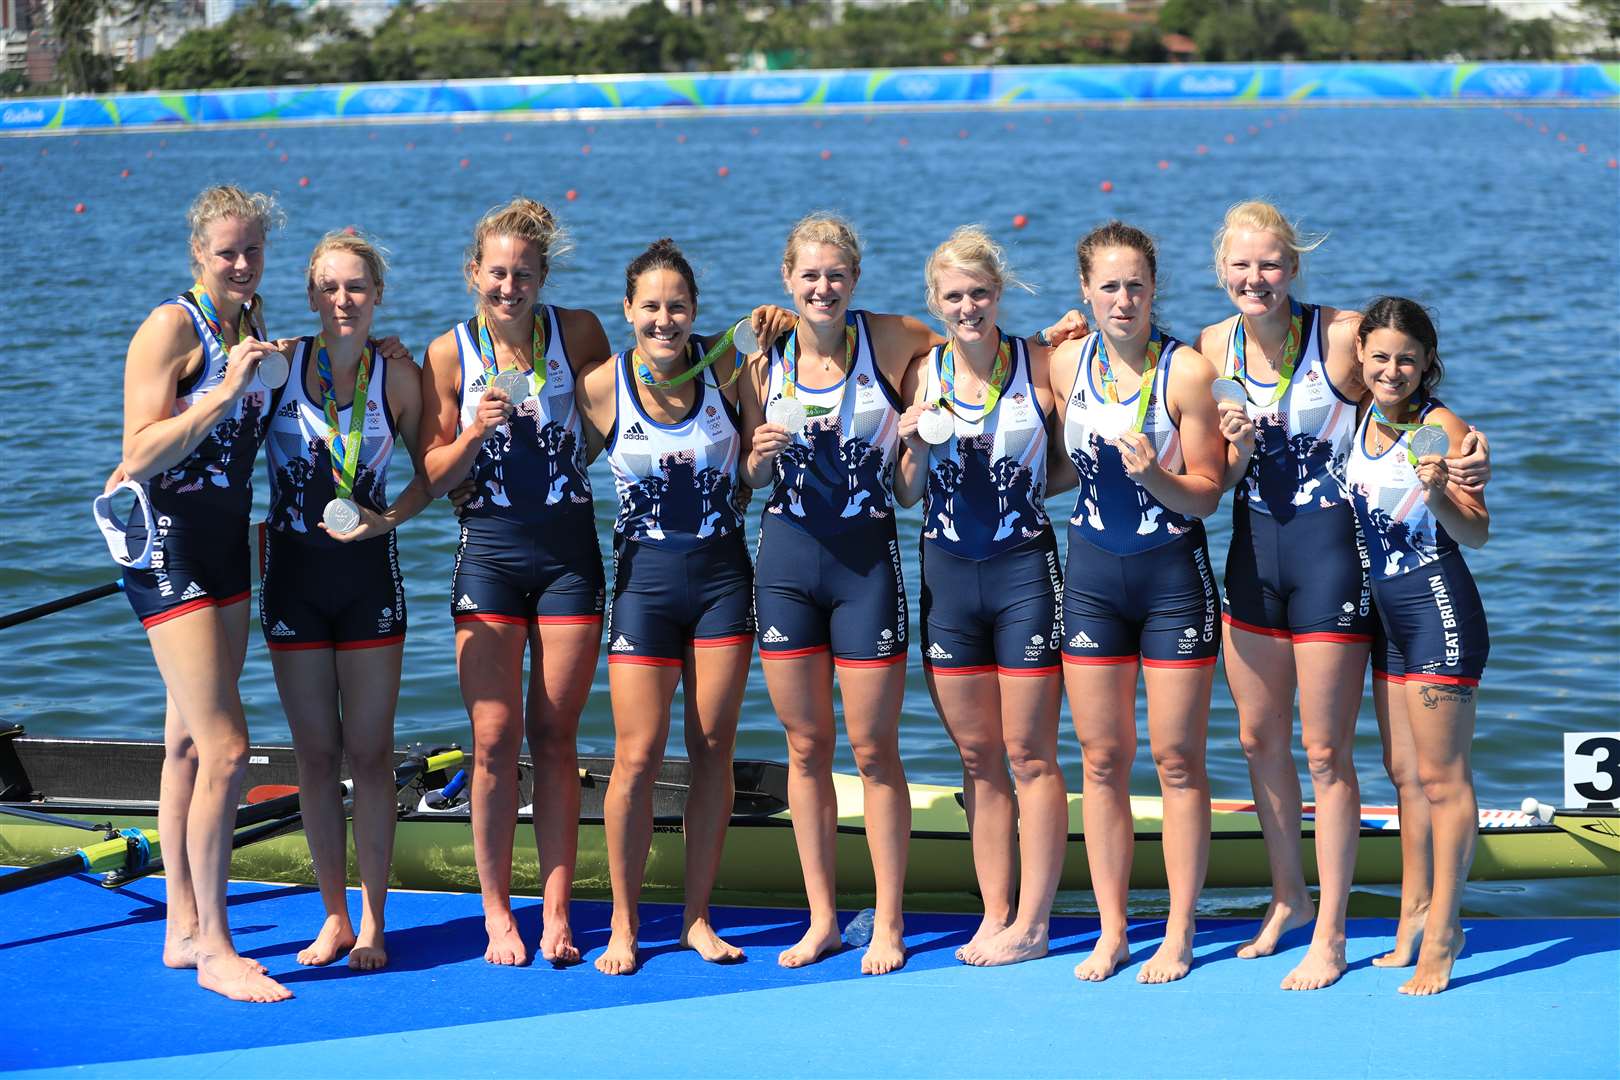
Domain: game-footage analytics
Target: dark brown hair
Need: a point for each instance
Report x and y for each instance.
(1116, 234)
(661, 254)
(1412, 319)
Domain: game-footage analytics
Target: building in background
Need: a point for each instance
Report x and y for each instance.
(13, 35)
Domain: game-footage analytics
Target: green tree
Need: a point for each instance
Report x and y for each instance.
(78, 66)
(201, 58)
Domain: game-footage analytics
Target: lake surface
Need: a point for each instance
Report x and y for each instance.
(1510, 233)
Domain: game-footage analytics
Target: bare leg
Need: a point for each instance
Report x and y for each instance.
(369, 683)
(1178, 727)
(970, 706)
(174, 803)
(1442, 718)
(1331, 675)
(1260, 674)
(1417, 848)
(307, 682)
(1102, 699)
(801, 694)
(641, 695)
(714, 679)
(200, 657)
(872, 697)
(489, 660)
(1029, 722)
(562, 664)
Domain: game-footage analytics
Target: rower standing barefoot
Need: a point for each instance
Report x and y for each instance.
(528, 571)
(332, 601)
(1434, 642)
(1140, 430)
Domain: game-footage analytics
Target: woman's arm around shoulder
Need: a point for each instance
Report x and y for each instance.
(898, 341)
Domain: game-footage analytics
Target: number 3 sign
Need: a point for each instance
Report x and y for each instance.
(1591, 769)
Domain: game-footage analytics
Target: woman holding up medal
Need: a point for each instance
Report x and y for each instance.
(1140, 430)
(975, 441)
(824, 414)
(499, 410)
(198, 394)
(682, 583)
(1297, 606)
(332, 602)
(1433, 642)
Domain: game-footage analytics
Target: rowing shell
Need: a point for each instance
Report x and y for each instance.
(117, 782)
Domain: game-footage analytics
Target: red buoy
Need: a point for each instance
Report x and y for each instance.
(1019, 221)
(723, 171)
(78, 208)
(1163, 164)
(1614, 163)
(1202, 149)
(410, 146)
(1581, 149)
(284, 156)
(1106, 185)
(303, 181)
(904, 141)
(124, 174)
(826, 155)
(753, 131)
(570, 194)
(1231, 138)
(680, 138)
(961, 133)
(349, 230)
(1562, 137)
(585, 149)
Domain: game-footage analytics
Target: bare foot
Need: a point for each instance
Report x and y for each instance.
(816, 943)
(557, 942)
(1408, 936)
(179, 951)
(368, 953)
(1172, 961)
(1322, 966)
(1281, 917)
(238, 978)
(699, 936)
(988, 928)
(505, 943)
(1011, 946)
(620, 957)
(335, 939)
(886, 953)
(1106, 957)
(1434, 962)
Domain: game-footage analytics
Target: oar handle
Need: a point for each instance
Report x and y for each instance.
(39, 611)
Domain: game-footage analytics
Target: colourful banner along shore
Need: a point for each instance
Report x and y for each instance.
(562, 97)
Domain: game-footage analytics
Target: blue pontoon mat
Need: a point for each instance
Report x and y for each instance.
(86, 995)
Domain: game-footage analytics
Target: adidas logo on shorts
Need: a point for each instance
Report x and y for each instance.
(194, 591)
(937, 652)
(622, 645)
(466, 603)
(1082, 640)
(281, 629)
(634, 432)
(773, 636)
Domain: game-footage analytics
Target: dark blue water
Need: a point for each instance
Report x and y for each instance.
(1512, 236)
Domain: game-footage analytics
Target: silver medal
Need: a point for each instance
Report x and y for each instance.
(514, 384)
(1229, 390)
(935, 426)
(273, 370)
(341, 516)
(743, 338)
(1427, 440)
(787, 412)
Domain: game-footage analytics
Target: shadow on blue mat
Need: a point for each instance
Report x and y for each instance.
(437, 976)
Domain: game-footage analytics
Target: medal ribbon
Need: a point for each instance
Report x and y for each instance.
(492, 363)
(1291, 345)
(721, 344)
(1147, 390)
(344, 452)
(1379, 418)
(210, 314)
(992, 388)
(790, 365)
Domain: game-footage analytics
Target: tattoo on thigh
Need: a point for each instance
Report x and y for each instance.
(1435, 694)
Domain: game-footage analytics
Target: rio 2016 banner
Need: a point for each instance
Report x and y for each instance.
(563, 96)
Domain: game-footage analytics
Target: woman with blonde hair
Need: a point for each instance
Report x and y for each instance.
(332, 602)
(499, 411)
(975, 439)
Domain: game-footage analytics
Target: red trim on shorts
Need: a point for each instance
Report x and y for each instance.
(722, 642)
(174, 613)
(1336, 638)
(1444, 680)
(791, 654)
(508, 620)
(237, 599)
(1387, 677)
(976, 669)
(372, 643)
(566, 620)
(1028, 672)
(297, 646)
(887, 661)
(1099, 661)
(1264, 631)
(1197, 662)
(647, 661)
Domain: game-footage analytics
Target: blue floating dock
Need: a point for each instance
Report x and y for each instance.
(87, 996)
